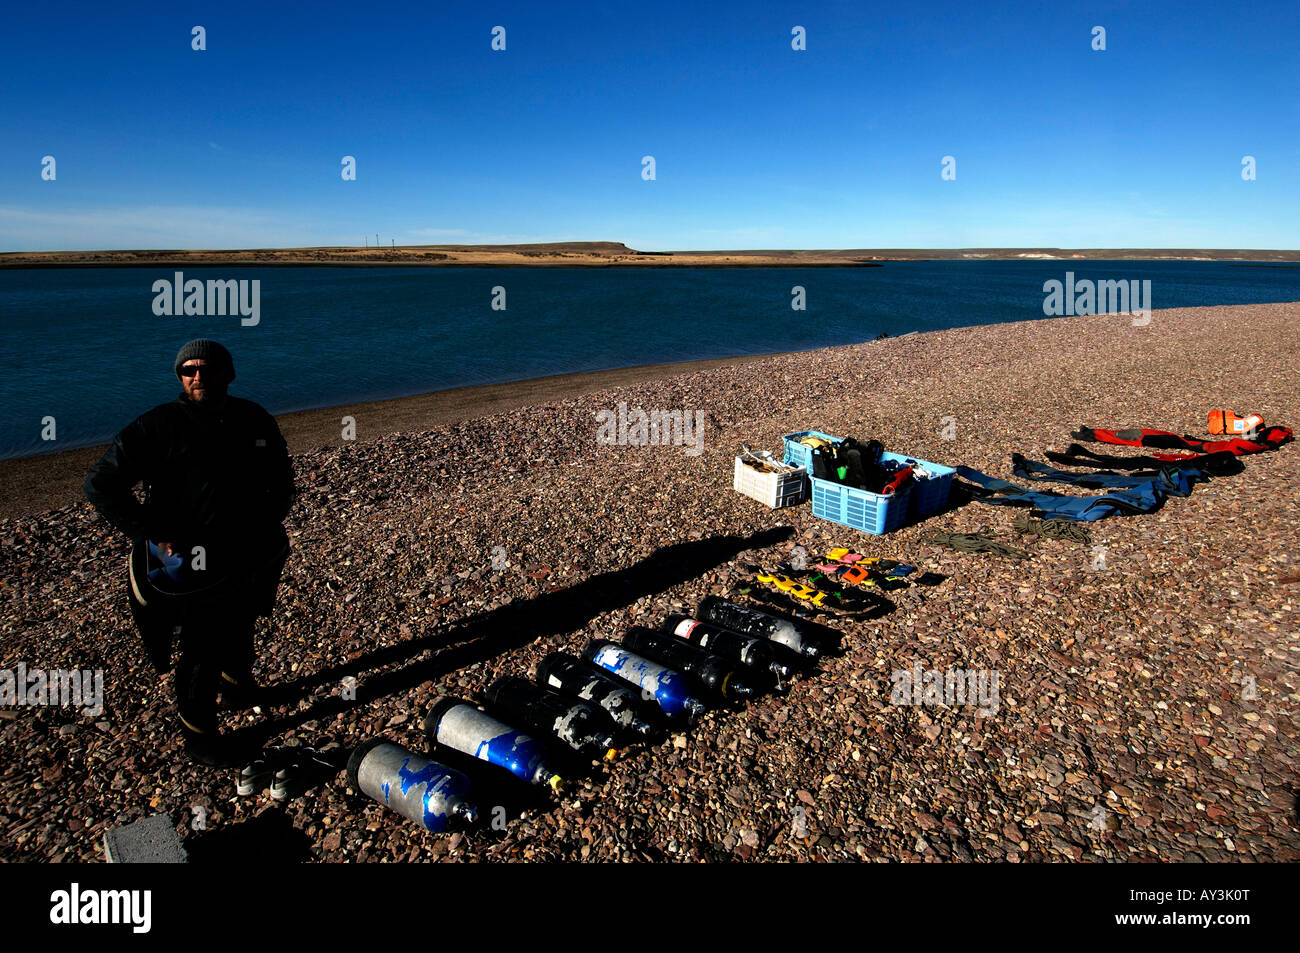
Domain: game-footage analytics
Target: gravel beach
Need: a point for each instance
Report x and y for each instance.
(1145, 702)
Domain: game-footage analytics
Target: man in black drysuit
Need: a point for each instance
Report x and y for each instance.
(207, 544)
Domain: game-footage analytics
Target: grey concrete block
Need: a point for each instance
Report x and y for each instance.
(152, 840)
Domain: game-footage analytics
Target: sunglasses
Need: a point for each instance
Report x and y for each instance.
(189, 370)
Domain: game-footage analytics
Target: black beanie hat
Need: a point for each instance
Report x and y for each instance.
(201, 349)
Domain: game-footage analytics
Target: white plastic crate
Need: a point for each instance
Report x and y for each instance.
(786, 488)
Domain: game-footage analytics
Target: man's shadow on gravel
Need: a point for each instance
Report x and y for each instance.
(270, 837)
(485, 636)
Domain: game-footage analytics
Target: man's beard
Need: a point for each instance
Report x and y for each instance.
(209, 396)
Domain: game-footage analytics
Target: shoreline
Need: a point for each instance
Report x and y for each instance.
(601, 255)
(256, 263)
(33, 484)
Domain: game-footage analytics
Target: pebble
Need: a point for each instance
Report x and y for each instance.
(1109, 681)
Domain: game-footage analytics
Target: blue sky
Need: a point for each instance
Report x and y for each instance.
(756, 145)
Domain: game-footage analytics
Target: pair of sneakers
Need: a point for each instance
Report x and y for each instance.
(287, 770)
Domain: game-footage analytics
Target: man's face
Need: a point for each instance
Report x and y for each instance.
(202, 381)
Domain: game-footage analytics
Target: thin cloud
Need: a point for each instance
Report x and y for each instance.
(171, 226)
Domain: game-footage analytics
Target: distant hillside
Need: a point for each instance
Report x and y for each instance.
(951, 254)
(594, 255)
(544, 248)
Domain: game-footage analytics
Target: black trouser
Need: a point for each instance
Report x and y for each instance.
(216, 645)
(216, 639)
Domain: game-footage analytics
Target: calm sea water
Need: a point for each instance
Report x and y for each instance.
(83, 345)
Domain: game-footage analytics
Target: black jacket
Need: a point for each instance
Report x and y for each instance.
(211, 477)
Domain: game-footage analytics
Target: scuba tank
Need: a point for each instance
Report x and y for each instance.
(462, 727)
(581, 726)
(757, 654)
(671, 690)
(712, 671)
(432, 795)
(751, 622)
(578, 679)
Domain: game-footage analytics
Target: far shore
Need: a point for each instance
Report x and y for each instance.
(46, 481)
(598, 255)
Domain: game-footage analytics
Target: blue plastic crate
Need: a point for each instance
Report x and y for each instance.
(799, 455)
(929, 495)
(860, 509)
